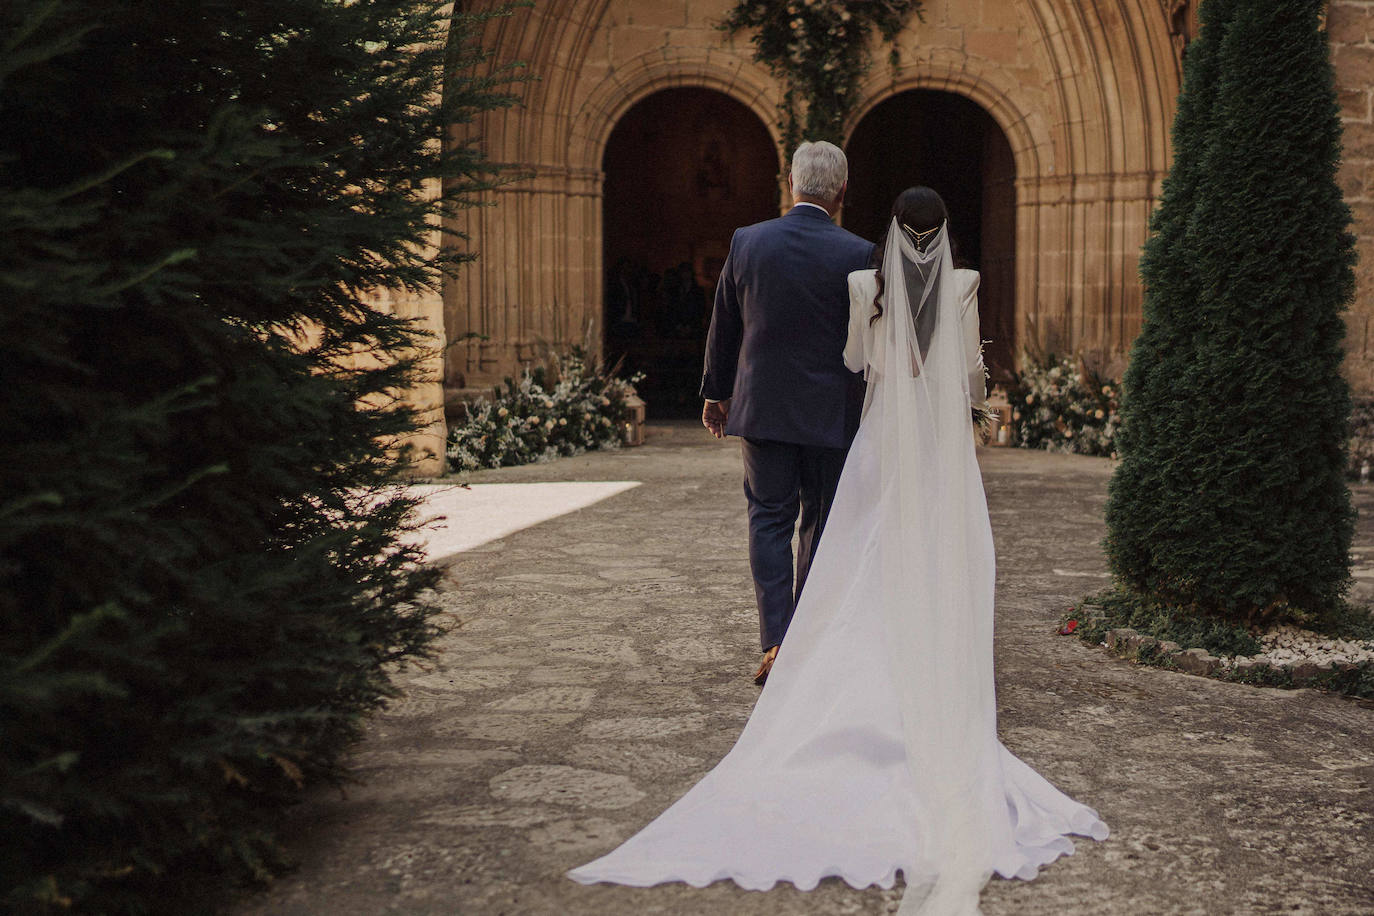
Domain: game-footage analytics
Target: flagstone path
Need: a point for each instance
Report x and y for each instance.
(597, 668)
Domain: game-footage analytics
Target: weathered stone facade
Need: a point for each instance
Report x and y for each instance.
(1076, 99)
(1350, 24)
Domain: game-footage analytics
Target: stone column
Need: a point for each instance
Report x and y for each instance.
(536, 287)
(426, 396)
(1350, 24)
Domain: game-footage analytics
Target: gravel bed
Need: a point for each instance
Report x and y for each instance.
(1287, 645)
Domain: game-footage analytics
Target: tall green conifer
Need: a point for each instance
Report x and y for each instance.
(1158, 406)
(1230, 497)
(204, 578)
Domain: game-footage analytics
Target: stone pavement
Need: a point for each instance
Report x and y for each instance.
(598, 667)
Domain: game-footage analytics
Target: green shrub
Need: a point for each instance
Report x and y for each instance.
(1191, 630)
(570, 407)
(1346, 621)
(203, 580)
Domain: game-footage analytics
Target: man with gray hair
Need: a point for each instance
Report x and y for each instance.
(775, 376)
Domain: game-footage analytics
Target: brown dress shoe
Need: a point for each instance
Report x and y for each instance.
(765, 666)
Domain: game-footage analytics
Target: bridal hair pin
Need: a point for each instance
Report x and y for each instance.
(920, 237)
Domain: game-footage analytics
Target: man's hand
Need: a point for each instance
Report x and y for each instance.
(713, 417)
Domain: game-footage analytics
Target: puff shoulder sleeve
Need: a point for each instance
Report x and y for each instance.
(973, 352)
(862, 289)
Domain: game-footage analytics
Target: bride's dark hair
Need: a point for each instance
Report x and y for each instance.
(920, 209)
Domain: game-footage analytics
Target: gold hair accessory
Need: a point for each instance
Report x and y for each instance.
(920, 237)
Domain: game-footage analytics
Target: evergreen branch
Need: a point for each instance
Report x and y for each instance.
(29, 501)
(34, 811)
(81, 626)
(109, 174)
(137, 279)
(14, 57)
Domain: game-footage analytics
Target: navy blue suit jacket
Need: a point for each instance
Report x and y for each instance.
(776, 344)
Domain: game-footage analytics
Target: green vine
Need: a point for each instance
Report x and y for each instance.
(819, 49)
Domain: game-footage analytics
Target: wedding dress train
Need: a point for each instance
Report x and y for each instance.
(873, 748)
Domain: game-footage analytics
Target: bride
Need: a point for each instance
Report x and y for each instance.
(873, 747)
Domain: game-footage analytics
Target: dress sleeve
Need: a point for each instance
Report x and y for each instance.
(973, 344)
(859, 303)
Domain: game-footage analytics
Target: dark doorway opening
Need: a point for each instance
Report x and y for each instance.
(951, 144)
(684, 168)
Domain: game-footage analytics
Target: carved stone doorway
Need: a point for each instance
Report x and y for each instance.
(945, 141)
(683, 169)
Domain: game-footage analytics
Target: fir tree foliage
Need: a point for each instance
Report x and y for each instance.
(205, 580)
(1230, 498)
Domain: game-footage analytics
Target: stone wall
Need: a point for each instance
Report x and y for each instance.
(1351, 27)
(1083, 90)
(426, 448)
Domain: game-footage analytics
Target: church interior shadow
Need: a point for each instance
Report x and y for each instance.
(684, 168)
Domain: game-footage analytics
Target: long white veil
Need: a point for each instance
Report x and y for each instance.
(873, 748)
(935, 547)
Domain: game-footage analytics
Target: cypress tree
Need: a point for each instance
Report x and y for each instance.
(1230, 498)
(204, 575)
(1157, 406)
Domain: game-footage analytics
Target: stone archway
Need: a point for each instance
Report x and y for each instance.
(950, 143)
(683, 167)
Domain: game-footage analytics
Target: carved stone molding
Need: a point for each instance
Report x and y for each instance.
(1183, 26)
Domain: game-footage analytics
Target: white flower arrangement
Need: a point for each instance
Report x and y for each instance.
(1068, 408)
(537, 419)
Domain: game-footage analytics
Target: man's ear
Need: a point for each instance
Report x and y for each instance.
(839, 201)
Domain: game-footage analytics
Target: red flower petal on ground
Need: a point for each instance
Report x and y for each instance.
(1068, 627)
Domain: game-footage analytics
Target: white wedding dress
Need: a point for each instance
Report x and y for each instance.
(873, 748)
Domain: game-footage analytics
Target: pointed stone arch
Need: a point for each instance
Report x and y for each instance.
(607, 102)
(684, 165)
(970, 159)
(1029, 141)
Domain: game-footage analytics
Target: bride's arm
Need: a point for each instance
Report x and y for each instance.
(973, 344)
(859, 305)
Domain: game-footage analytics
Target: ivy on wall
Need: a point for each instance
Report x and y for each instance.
(819, 49)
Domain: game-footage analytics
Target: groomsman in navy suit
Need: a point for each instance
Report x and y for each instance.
(775, 376)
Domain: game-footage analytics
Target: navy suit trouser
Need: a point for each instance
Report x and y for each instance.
(781, 480)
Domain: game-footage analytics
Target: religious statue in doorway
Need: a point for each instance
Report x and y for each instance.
(627, 284)
(684, 302)
(713, 172)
